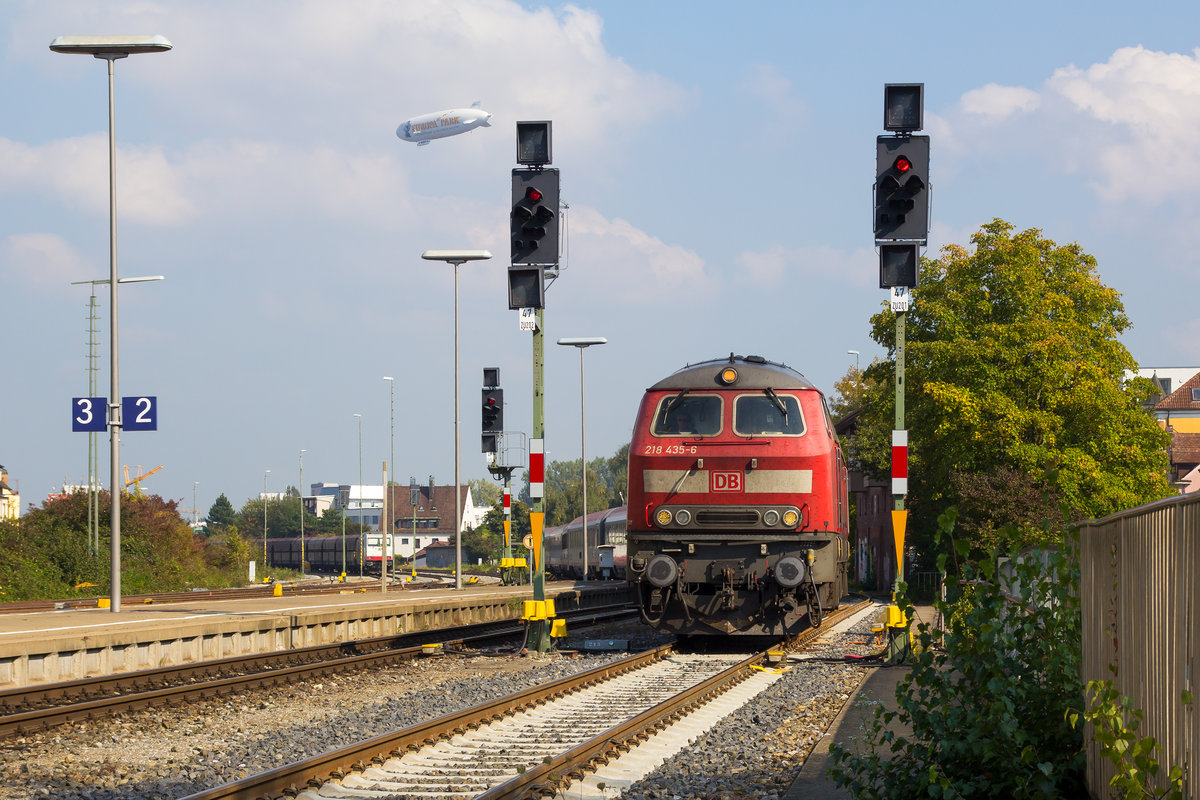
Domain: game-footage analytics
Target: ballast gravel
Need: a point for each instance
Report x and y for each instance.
(172, 752)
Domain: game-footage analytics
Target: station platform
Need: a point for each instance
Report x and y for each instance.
(51, 646)
(877, 688)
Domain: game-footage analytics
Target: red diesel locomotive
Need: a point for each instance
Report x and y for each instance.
(738, 517)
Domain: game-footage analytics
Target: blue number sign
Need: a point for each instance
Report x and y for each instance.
(139, 413)
(88, 414)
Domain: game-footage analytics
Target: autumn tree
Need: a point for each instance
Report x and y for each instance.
(1015, 391)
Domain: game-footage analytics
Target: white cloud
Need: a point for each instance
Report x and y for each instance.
(1150, 104)
(1128, 125)
(621, 261)
(76, 170)
(42, 260)
(773, 267)
(998, 101)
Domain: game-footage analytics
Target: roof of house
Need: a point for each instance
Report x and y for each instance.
(1181, 398)
(439, 507)
(1185, 448)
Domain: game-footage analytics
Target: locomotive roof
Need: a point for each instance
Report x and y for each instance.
(754, 372)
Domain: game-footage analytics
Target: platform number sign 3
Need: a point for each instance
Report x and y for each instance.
(89, 414)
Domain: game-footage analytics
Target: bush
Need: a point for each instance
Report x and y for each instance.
(988, 715)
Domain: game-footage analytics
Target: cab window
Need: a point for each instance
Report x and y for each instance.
(687, 415)
(761, 415)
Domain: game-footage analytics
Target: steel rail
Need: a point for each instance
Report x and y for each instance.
(386, 651)
(291, 779)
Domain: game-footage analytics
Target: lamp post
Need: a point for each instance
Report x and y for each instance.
(265, 474)
(855, 354)
(93, 501)
(387, 492)
(195, 511)
(457, 258)
(362, 546)
(301, 493)
(110, 48)
(583, 343)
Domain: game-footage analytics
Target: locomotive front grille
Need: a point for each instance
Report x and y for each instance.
(727, 517)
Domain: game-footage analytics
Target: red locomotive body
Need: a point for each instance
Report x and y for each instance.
(737, 514)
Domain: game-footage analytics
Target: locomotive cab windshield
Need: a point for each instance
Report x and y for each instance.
(688, 415)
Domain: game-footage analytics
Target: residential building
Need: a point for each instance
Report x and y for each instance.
(10, 498)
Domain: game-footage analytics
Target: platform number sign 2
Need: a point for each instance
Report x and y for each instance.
(89, 414)
(139, 413)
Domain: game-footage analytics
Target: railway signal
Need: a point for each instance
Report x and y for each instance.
(902, 188)
(493, 418)
(534, 217)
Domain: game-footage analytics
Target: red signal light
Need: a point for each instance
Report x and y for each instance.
(533, 194)
(903, 164)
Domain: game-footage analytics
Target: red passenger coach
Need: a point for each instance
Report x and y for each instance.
(738, 516)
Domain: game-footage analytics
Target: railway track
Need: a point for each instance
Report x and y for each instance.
(529, 744)
(34, 708)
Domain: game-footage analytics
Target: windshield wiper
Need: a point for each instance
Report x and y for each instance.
(675, 401)
(769, 392)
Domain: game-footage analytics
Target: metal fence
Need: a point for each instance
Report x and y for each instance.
(1141, 609)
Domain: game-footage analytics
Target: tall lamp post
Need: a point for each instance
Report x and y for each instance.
(583, 343)
(93, 501)
(110, 48)
(265, 474)
(301, 493)
(855, 354)
(362, 540)
(387, 492)
(457, 258)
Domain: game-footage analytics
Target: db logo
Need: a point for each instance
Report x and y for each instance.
(725, 482)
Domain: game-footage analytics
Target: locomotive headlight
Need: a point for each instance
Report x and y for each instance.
(683, 516)
(790, 518)
(771, 517)
(728, 376)
(662, 517)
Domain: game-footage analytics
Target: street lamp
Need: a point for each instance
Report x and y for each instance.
(387, 492)
(301, 493)
(265, 474)
(583, 343)
(362, 542)
(855, 354)
(195, 511)
(93, 501)
(110, 48)
(457, 258)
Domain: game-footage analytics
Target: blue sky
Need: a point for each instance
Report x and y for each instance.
(717, 160)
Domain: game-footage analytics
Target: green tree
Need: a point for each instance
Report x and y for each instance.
(221, 515)
(1013, 367)
(485, 492)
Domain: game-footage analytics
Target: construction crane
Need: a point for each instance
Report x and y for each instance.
(136, 483)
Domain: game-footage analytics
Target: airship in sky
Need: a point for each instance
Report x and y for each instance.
(426, 128)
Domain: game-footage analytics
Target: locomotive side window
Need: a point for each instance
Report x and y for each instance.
(688, 415)
(767, 415)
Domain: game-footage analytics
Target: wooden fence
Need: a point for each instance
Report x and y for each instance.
(1141, 612)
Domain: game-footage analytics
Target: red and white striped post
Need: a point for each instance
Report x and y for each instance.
(899, 489)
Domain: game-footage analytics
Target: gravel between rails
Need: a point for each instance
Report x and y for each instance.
(172, 752)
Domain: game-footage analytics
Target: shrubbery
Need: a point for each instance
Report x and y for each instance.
(989, 711)
(44, 554)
